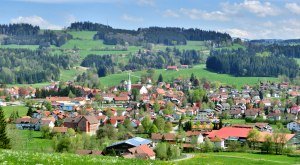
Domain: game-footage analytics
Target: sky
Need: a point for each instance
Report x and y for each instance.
(251, 19)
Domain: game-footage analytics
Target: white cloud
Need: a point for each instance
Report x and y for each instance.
(146, 2)
(37, 21)
(199, 14)
(253, 6)
(293, 7)
(170, 13)
(237, 33)
(129, 18)
(70, 19)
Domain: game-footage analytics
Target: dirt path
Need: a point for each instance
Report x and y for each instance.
(188, 156)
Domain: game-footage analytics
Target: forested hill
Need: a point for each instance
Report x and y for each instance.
(156, 35)
(247, 62)
(26, 34)
(31, 66)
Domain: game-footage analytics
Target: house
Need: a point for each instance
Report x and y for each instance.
(294, 126)
(236, 113)
(230, 133)
(60, 130)
(121, 99)
(218, 142)
(28, 123)
(275, 115)
(142, 152)
(172, 68)
(295, 110)
(88, 124)
(289, 138)
(193, 134)
(167, 137)
(251, 113)
(47, 123)
(263, 127)
(122, 147)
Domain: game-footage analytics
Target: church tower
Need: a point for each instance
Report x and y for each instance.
(129, 83)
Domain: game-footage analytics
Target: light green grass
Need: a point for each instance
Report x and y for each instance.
(22, 110)
(28, 140)
(234, 121)
(224, 158)
(86, 35)
(297, 60)
(13, 46)
(66, 75)
(234, 46)
(21, 157)
(199, 71)
(37, 85)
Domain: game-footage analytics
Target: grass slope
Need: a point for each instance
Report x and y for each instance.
(240, 158)
(199, 71)
(19, 157)
(22, 110)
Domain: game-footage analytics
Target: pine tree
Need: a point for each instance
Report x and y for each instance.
(4, 140)
(30, 111)
(160, 78)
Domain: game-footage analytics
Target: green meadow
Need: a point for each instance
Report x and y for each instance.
(199, 71)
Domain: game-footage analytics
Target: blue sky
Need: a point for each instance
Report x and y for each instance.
(251, 19)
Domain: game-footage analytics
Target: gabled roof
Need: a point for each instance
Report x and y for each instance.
(227, 132)
(262, 136)
(143, 149)
(136, 141)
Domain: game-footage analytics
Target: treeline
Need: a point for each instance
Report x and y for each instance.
(63, 91)
(27, 66)
(162, 59)
(26, 34)
(277, 50)
(103, 64)
(156, 35)
(106, 64)
(242, 62)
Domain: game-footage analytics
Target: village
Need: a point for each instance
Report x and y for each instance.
(188, 114)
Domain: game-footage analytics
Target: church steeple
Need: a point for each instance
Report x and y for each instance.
(129, 83)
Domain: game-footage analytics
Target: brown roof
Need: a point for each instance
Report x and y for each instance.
(26, 120)
(58, 99)
(192, 133)
(60, 129)
(142, 149)
(121, 98)
(88, 152)
(91, 119)
(165, 136)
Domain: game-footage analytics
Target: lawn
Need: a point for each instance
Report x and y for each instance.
(240, 158)
(235, 121)
(70, 74)
(37, 85)
(199, 71)
(28, 140)
(14, 46)
(21, 157)
(22, 110)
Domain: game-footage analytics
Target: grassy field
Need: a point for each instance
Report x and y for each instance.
(240, 158)
(22, 110)
(199, 71)
(37, 85)
(28, 140)
(235, 121)
(19, 157)
(32, 47)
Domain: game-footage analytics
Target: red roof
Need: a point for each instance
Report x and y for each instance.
(142, 149)
(226, 132)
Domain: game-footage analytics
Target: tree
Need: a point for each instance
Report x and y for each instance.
(207, 146)
(136, 94)
(46, 133)
(161, 151)
(159, 122)
(168, 127)
(47, 105)
(160, 78)
(153, 129)
(192, 78)
(187, 126)
(146, 123)
(156, 107)
(71, 95)
(268, 144)
(30, 111)
(253, 137)
(127, 125)
(4, 140)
